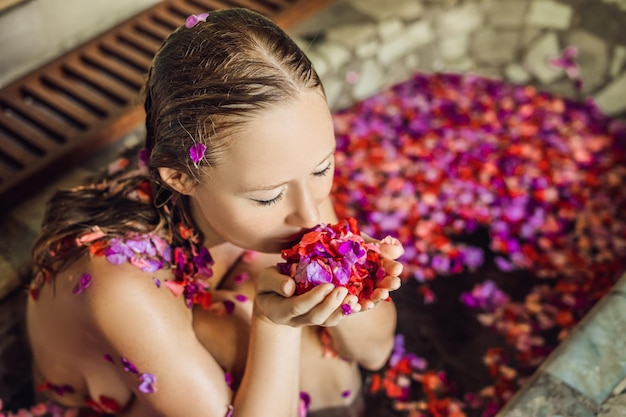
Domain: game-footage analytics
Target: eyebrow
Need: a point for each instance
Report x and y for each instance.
(271, 187)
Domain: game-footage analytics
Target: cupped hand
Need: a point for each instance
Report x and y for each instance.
(321, 306)
(390, 250)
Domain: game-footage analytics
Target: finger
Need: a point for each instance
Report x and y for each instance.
(391, 283)
(379, 294)
(391, 247)
(392, 267)
(270, 280)
(321, 312)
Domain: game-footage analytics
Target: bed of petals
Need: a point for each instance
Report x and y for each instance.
(441, 157)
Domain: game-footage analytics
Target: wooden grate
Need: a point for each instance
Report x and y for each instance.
(86, 99)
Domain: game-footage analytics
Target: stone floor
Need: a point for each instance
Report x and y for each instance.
(362, 46)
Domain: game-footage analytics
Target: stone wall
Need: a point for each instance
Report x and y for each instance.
(361, 46)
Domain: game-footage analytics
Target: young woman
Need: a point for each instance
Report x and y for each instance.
(129, 314)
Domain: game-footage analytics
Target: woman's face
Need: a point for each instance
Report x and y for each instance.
(274, 179)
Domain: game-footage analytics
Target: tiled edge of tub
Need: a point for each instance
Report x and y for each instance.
(586, 375)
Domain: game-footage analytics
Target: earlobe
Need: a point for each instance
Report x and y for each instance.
(179, 181)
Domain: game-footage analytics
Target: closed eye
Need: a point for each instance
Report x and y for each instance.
(269, 202)
(323, 172)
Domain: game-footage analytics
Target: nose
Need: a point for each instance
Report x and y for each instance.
(305, 213)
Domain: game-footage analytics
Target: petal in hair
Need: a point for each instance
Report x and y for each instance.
(194, 19)
(196, 153)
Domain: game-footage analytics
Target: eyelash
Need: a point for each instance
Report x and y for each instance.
(323, 172)
(270, 202)
(280, 196)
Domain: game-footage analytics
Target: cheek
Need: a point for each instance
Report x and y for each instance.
(322, 189)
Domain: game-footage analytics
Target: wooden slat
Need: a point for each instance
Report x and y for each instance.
(16, 152)
(142, 43)
(79, 92)
(184, 9)
(280, 4)
(161, 15)
(124, 73)
(6, 172)
(27, 133)
(253, 5)
(58, 131)
(124, 52)
(156, 31)
(208, 5)
(118, 91)
(79, 116)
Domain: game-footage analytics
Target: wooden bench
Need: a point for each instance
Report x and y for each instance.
(79, 103)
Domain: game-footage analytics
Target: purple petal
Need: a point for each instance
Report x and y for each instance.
(129, 366)
(196, 152)
(346, 309)
(503, 264)
(147, 383)
(317, 274)
(229, 379)
(85, 280)
(229, 305)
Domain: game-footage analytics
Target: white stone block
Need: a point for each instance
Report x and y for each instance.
(367, 50)
(351, 35)
(371, 78)
(453, 48)
(333, 86)
(516, 74)
(389, 28)
(549, 14)
(335, 54)
(380, 10)
(320, 65)
(619, 57)
(416, 35)
(612, 99)
(460, 20)
(495, 46)
(536, 60)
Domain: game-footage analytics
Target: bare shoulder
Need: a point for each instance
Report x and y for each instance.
(146, 331)
(119, 296)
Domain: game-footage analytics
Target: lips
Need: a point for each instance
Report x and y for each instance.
(294, 238)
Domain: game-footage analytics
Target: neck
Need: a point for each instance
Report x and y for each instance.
(211, 238)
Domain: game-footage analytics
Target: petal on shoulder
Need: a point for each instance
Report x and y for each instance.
(135, 322)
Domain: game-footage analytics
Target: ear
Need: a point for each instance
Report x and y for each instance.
(179, 181)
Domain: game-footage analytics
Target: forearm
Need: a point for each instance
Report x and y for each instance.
(367, 337)
(270, 385)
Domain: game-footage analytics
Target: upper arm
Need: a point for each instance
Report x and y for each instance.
(151, 329)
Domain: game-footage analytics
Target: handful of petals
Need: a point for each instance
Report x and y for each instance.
(335, 254)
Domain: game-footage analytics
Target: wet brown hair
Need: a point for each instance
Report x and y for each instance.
(204, 83)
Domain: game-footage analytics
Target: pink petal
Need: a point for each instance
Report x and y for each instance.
(193, 19)
(175, 287)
